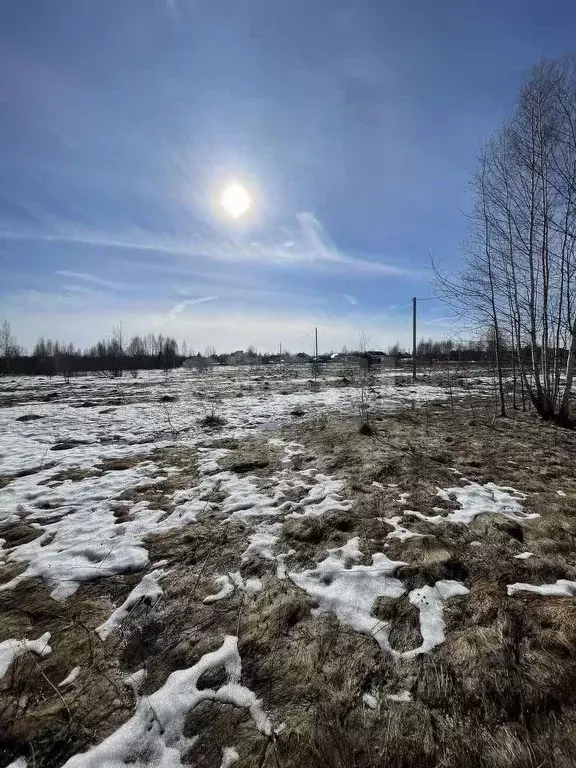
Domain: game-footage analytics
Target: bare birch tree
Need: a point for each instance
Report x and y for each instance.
(519, 271)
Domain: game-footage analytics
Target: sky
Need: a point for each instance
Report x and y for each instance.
(354, 125)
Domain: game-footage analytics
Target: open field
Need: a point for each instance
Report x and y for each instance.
(220, 569)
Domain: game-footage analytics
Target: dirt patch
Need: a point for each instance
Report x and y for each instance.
(5, 479)
(75, 474)
(66, 445)
(30, 417)
(116, 465)
(15, 534)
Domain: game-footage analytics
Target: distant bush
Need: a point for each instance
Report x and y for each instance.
(212, 420)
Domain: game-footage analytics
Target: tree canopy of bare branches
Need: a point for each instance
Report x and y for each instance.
(518, 278)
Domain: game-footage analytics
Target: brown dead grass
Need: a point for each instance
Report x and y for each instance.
(45, 723)
(500, 692)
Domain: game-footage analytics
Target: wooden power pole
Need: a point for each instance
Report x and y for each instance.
(414, 338)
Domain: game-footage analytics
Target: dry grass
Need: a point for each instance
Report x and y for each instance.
(500, 692)
(38, 719)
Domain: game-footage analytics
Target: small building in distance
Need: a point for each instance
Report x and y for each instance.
(200, 363)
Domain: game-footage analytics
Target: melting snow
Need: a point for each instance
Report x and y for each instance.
(523, 556)
(430, 603)
(370, 700)
(403, 696)
(281, 571)
(226, 589)
(399, 532)
(323, 497)
(148, 589)
(475, 499)
(351, 593)
(155, 732)
(253, 586)
(135, 680)
(250, 587)
(12, 649)
(80, 536)
(562, 588)
(89, 542)
(229, 757)
(70, 678)
(262, 541)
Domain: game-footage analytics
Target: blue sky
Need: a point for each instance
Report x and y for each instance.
(354, 125)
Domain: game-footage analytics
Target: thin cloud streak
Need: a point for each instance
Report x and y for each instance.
(177, 309)
(310, 246)
(436, 321)
(84, 276)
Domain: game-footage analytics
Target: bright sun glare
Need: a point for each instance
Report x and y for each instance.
(235, 200)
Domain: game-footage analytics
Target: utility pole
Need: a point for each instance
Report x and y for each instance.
(280, 348)
(316, 365)
(414, 338)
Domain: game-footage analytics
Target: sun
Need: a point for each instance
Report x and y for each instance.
(235, 200)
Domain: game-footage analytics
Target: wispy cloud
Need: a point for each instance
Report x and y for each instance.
(436, 321)
(85, 277)
(308, 245)
(177, 309)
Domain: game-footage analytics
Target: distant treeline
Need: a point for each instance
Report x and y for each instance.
(111, 357)
(116, 355)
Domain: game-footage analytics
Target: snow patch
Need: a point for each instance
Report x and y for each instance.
(402, 696)
(399, 532)
(12, 649)
(561, 588)
(351, 593)
(323, 497)
(281, 570)
(229, 757)
(430, 603)
(253, 586)
(154, 734)
(370, 700)
(226, 589)
(135, 680)
(475, 499)
(250, 587)
(70, 678)
(148, 590)
(262, 541)
(20, 762)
